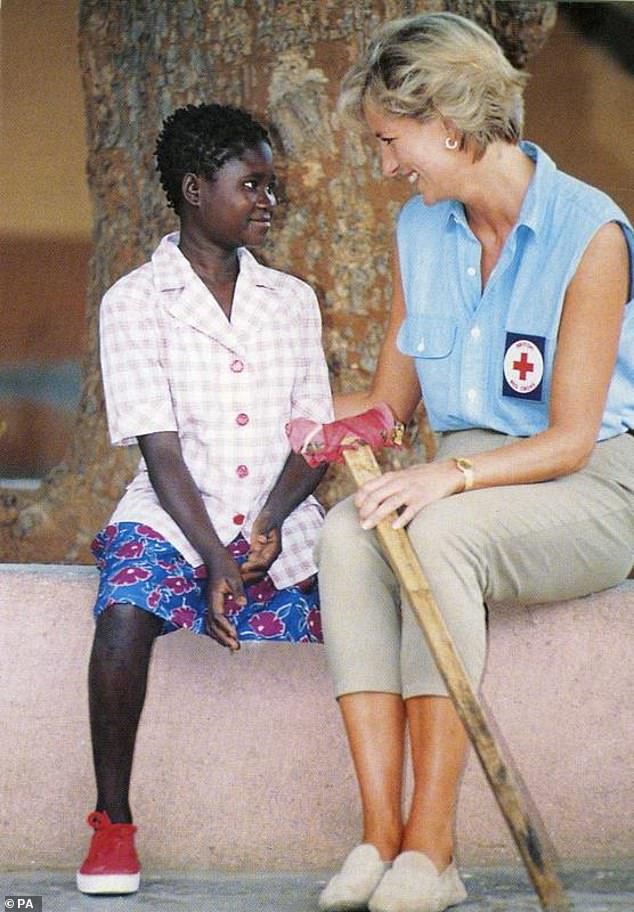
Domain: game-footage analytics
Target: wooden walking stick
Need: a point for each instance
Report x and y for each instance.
(352, 440)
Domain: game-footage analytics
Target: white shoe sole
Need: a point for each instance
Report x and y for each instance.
(108, 883)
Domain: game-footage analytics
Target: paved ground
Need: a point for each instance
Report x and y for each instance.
(607, 889)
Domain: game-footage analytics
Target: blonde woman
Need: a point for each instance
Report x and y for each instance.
(512, 317)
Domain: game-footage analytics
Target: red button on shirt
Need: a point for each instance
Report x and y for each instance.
(237, 366)
(242, 471)
(242, 419)
(238, 519)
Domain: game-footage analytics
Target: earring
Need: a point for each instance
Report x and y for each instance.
(451, 144)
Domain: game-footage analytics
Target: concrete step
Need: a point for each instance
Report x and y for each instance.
(241, 760)
(491, 889)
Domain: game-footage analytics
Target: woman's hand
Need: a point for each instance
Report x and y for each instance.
(266, 546)
(406, 491)
(223, 579)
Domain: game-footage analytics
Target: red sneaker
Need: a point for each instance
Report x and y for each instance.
(112, 865)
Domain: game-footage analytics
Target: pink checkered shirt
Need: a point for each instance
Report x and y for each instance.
(171, 361)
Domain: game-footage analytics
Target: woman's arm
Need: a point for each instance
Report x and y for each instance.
(586, 354)
(179, 496)
(395, 380)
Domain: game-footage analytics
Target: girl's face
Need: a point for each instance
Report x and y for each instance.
(235, 208)
(416, 150)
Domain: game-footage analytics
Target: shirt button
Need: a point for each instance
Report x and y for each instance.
(472, 395)
(475, 332)
(242, 419)
(237, 366)
(471, 271)
(238, 519)
(421, 346)
(242, 471)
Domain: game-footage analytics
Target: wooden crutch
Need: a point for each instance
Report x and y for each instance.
(359, 457)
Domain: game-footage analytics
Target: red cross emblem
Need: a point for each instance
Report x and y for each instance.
(523, 366)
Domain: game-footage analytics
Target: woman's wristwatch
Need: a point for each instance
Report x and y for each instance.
(466, 467)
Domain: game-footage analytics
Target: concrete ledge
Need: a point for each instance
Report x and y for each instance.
(241, 760)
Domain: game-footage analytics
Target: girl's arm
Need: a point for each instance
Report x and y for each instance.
(178, 495)
(586, 354)
(311, 398)
(296, 481)
(395, 380)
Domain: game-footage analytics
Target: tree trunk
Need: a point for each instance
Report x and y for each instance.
(283, 61)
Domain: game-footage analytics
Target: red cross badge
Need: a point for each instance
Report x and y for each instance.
(524, 366)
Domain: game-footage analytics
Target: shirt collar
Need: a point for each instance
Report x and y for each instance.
(254, 271)
(539, 191)
(456, 213)
(172, 270)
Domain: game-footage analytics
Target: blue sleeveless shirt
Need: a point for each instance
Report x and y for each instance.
(485, 358)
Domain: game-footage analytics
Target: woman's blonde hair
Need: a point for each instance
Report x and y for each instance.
(439, 65)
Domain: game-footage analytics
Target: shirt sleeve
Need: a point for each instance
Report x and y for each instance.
(135, 380)
(312, 397)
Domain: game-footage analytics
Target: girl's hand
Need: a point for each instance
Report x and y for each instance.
(406, 491)
(223, 579)
(266, 546)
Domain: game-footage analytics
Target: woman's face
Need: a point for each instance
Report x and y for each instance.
(417, 151)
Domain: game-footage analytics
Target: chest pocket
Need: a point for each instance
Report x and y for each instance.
(427, 337)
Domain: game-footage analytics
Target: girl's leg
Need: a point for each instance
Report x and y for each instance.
(117, 679)
(439, 748)
(375, 726)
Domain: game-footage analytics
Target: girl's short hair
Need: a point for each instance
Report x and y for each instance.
(200, 139)
(439, 65)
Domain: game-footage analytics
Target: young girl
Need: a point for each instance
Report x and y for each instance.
(206, 355)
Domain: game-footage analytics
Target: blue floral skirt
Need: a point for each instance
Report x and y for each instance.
(139, 567)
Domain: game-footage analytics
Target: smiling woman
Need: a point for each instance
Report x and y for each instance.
(420, 151)
(512, 320)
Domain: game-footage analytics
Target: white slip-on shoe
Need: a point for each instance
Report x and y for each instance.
(413, 884)
(352, 887)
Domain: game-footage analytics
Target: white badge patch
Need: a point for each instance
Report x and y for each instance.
(523, 366)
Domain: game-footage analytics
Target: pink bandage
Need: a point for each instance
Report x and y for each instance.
(326, 442)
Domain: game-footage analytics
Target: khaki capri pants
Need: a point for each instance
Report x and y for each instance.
(529, 543)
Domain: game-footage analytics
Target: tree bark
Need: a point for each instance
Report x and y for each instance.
(283, 61)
